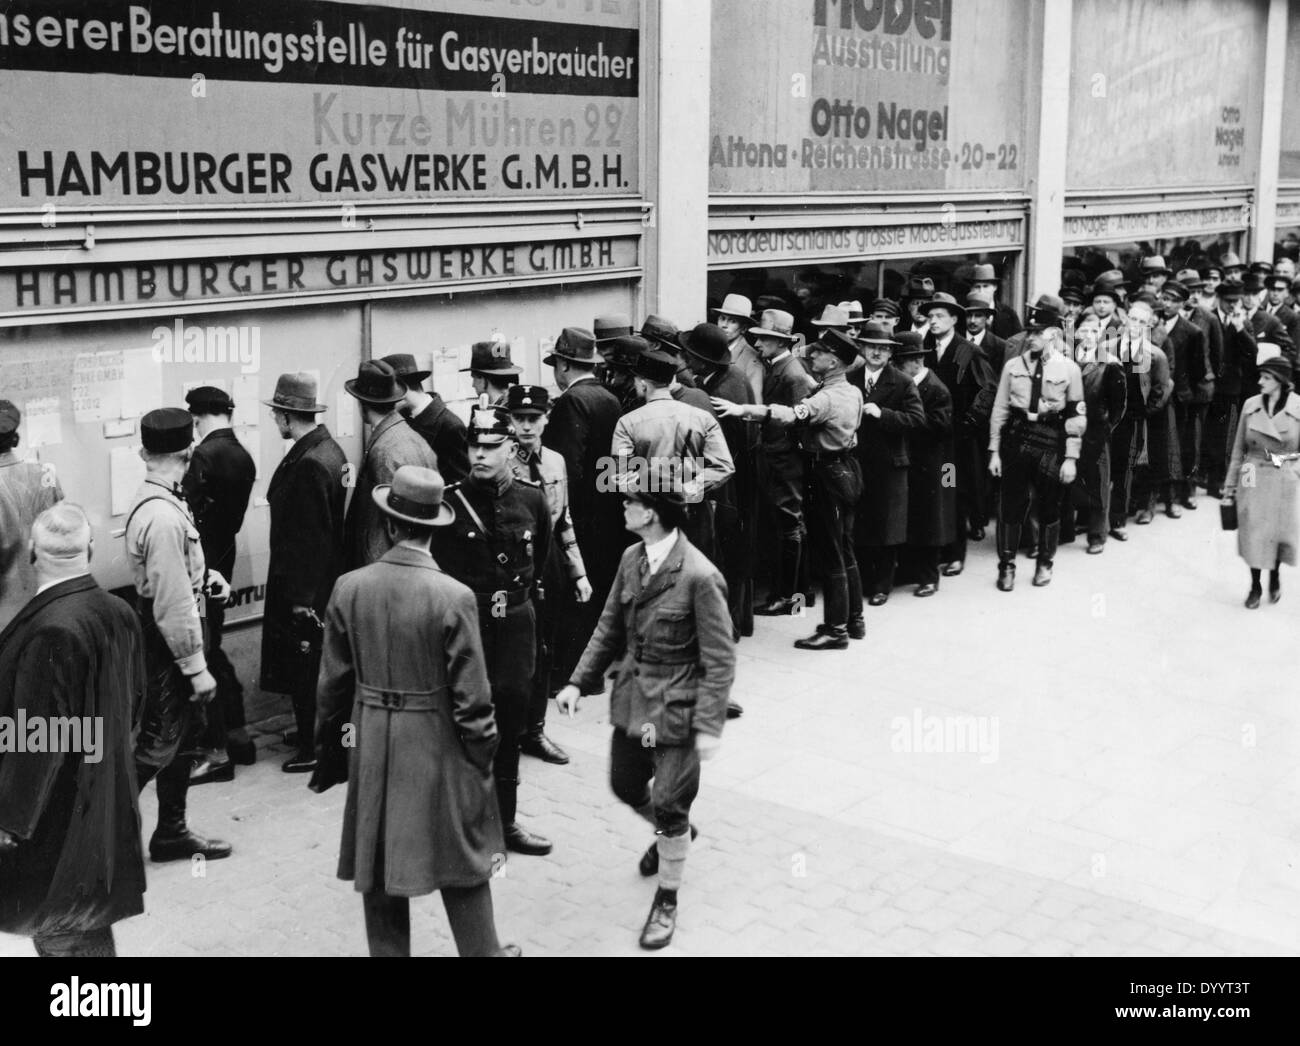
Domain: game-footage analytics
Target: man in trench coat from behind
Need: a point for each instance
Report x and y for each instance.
(404, 702)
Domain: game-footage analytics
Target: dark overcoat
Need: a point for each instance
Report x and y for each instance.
(217, 486)
(306, 495)
(931, 487)
(392, 444)
(882, 453)
(404, 665)
(75, 651)
(443, 430)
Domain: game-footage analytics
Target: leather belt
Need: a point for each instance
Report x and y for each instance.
(501, 597)
(818, 456)
(400, 700)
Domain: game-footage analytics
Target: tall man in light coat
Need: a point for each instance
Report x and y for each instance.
(404, 701)
(667, 625)
(392, 443)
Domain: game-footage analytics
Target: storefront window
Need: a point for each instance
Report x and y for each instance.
(1183, 252)
(1287, 244)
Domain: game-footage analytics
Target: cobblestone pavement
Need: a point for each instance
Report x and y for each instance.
(1136, 791)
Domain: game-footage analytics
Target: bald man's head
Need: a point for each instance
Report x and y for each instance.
(61, 542)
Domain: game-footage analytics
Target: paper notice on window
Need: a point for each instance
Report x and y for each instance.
(248, 411)
(126, 474)
(98, 383)
(141, 384)
(41, 420)
(345, 418)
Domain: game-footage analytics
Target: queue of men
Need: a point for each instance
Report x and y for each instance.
(476, 570)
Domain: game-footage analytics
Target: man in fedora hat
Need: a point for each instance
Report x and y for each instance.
(708, 355)
(1153, 274)
(1038, 423)
(966, 374)
(565, 583)
(932, 516)
(425, 412)
(616, 372)
(498, 546)
(1277, 289)
(666, 626)
(1232, 346)
(392, 443)
(1233, 268)
(306, 495)
(734, 317)
(27, 489)
(1184, 344)
(492, 371)
(1106, 299)
(172, 582)
(980, 310)
(217, 487)
(781, 469)
(891, 407)
(404, 676)
(580, 428)
(1149, 386)
(663, 335)
(984, 280)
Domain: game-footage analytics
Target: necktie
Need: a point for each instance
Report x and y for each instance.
(871, 384)
(534, 469)
(1037, 388)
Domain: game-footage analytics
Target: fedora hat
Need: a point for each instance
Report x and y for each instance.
(375, 383)
(624, 352)
(838, 344)
(1047, 311)
(574, 343)
(943, 301)
(984, 274)
(832, 316)
(655, 365)
(297, 393)
(1252, 283)
(977, 302)
(611, 325)
(738, 307)
(527, 399)
(910, 343)
(1155, 266)
(854, 309)
(491, 358)
(873, 332)
(404, 366)
(1231, 261)
(1071, 293)
(707, 342)
(415, 496)
(661, 331)
(1190, 278)
(1229, 290)
(775, 324)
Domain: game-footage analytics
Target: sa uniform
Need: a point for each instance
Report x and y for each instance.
(169, 573)
(1039, 419)
(497, 547)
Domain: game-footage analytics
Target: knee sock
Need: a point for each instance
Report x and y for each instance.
(672, 859)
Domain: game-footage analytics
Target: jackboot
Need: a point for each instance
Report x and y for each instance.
(517, 839)
(173, 840)
(1046, 554)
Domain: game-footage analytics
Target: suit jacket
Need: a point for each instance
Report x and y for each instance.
(788, 383)
(445, 434)
(931, 496)
(217, 486)
(1184, 344)
(401, 632)
(670, 636)
(1006, 322)
(966, 374)
(76, 651)
(1236, 355)
(882, 453)
(749, 365)
(392, 444)
(1290, 320)
(306, 495)
(1212, 352)
(995, 351)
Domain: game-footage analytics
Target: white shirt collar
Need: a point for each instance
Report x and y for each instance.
(920, 376)
(585, 376)
(976, 339)
(1169, 323)
(656, 554)
(59, 581)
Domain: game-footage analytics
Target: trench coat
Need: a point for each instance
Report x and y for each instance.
(670, 636)
(931, 490)
(306, 495)
(419, 778)
(1268, 521)
(74, 650)
(882, 454)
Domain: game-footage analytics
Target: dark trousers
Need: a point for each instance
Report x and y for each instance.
(877, 565)
(83, 944)
(920, 563)
(509, 637)
(1190, 418)
(556, 602)
(674, 770)
(226, 711)
(1216, 443)
(1030, 478)
(1089, 495)
(782, 479)
(832, 496)
(1122, 456)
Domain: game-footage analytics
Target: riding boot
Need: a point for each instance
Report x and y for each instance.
(1051, 536)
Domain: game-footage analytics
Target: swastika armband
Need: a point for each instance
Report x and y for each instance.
(802, 412)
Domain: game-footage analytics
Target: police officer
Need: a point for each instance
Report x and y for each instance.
(171, 583)
(217, 487)
(1038, 423)
(528, 406)
(827, 424)
(498, 547)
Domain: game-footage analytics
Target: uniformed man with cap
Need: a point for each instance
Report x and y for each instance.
(425, 412)
(26, 490)
(172, 582)
(1035, 437)
(566, 575)
(492, 371)
(498, 547)
(826, 423)
(217, 486)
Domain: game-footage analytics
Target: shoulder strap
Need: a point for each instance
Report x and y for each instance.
(145, 501)
(472, 514)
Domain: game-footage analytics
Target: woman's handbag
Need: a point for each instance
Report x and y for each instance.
(1228, 514)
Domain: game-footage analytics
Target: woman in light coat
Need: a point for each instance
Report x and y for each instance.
(1262, 483)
